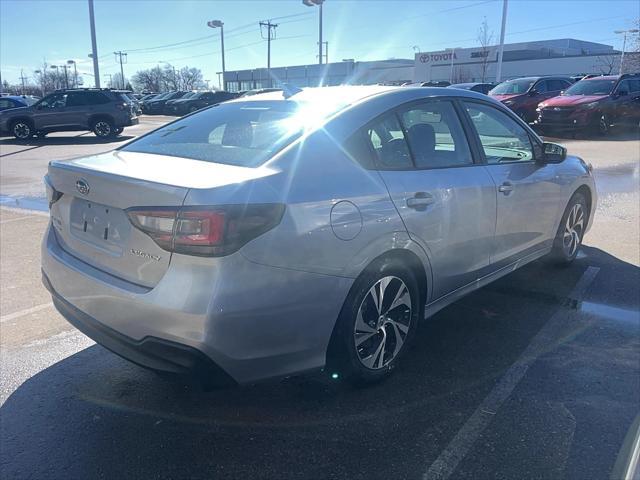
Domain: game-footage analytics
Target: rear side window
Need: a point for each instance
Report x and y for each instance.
(244, 134)
(435, 135)
(541, 87)
(6, 103)
(503, 139)
(75, 99)
(96, 98)
(389, 144)
(557, 85)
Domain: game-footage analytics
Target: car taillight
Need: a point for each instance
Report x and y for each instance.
(122, 106)
(206, 231)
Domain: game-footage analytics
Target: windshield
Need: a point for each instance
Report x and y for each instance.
(513, 87)
(189, 95)
(591, 87)
(244, 134)
(162, 96)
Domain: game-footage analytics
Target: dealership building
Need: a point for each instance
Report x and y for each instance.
(566, 56)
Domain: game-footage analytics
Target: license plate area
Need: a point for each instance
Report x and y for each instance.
(105, 228)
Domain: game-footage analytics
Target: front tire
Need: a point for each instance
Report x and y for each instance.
(103, 128)
(376, 323)
(22, 130)
(571, 231)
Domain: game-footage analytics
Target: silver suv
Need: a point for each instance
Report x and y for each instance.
(291, 231)
(105, 112)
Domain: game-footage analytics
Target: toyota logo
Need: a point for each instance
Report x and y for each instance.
(82, 186)
(424, 58)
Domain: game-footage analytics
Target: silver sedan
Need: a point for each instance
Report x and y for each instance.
(304, 229)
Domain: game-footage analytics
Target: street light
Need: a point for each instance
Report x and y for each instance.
(75, 72)
(313, 3)
(220, 25)
(624, 43)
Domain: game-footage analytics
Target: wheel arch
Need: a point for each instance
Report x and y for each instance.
(100, 116)
(15, 120)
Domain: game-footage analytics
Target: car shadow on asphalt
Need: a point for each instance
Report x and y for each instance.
(621, 135)
(70, 140)
(95, 415)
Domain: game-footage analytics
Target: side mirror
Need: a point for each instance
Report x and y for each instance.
(553, 153)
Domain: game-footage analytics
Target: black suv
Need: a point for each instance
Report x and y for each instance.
(197, 101)
(104, 111)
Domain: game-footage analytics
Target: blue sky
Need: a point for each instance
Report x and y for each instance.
(31, 31)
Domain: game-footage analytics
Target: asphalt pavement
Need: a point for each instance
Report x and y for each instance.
(534, 376)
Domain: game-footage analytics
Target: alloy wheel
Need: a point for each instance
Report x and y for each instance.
(102, 129)
(603, 125)
(22, 130)
(573, 230)
(382, 323)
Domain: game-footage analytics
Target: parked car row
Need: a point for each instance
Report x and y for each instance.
(181, 103)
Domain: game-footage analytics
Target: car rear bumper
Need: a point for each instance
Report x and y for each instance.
(251, 321)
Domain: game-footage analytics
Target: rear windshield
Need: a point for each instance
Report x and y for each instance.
(513, 87)
(591, 87)
(239, 133)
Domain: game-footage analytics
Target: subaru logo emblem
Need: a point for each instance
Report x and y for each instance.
(82, 186)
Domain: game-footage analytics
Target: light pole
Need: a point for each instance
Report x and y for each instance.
(313, 3)
(453, 53)
(624, 44)
(94, 45)
(501, 47)
(75, 72)
(42, 79)
(220, 25)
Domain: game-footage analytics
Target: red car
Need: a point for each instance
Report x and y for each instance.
(596, 103)
(522, 95)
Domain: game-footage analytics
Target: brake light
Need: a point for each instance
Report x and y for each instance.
(206, 231)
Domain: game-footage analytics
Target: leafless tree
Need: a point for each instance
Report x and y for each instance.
(151, 80)
(606, 64)
(485, 39)
(461, 75)
(190, 78)
(632, 55)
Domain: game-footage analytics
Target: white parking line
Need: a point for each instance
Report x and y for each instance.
(26, 311)
(454, 453)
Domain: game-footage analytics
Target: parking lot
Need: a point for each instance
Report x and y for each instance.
(542, 366)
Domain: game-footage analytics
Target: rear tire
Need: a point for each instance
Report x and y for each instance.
(370, 336)
(103, 128)
(568, 240)
(118, 131)
(22, 129)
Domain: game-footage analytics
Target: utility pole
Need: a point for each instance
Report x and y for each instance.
(75, 72)
(220, 25)
(119, 56)
(326, 52)
(501, 48)
(110, 76)
(23, 79)
(94, 45)
(269, 26)
(66, 76)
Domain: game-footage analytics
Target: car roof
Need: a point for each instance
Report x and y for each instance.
(602, 77)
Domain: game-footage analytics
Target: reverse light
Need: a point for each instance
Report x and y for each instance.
(206, 231)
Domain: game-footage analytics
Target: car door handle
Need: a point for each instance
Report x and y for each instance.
(420, 201)
(506, 188)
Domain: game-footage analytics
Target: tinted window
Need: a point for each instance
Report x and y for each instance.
(58, 100)
(389, 144)
(629, 86)
(591, 87)
(513, 87)
(245, 134)
(557, 85)
(541, 87)
(503, 139)
(435, 135)
(6, 103)
(75, 99)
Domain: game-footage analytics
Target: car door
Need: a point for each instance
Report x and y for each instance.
(75, 112)
(625, 106)
(49, 111)
(447, 201)
(529, 193)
